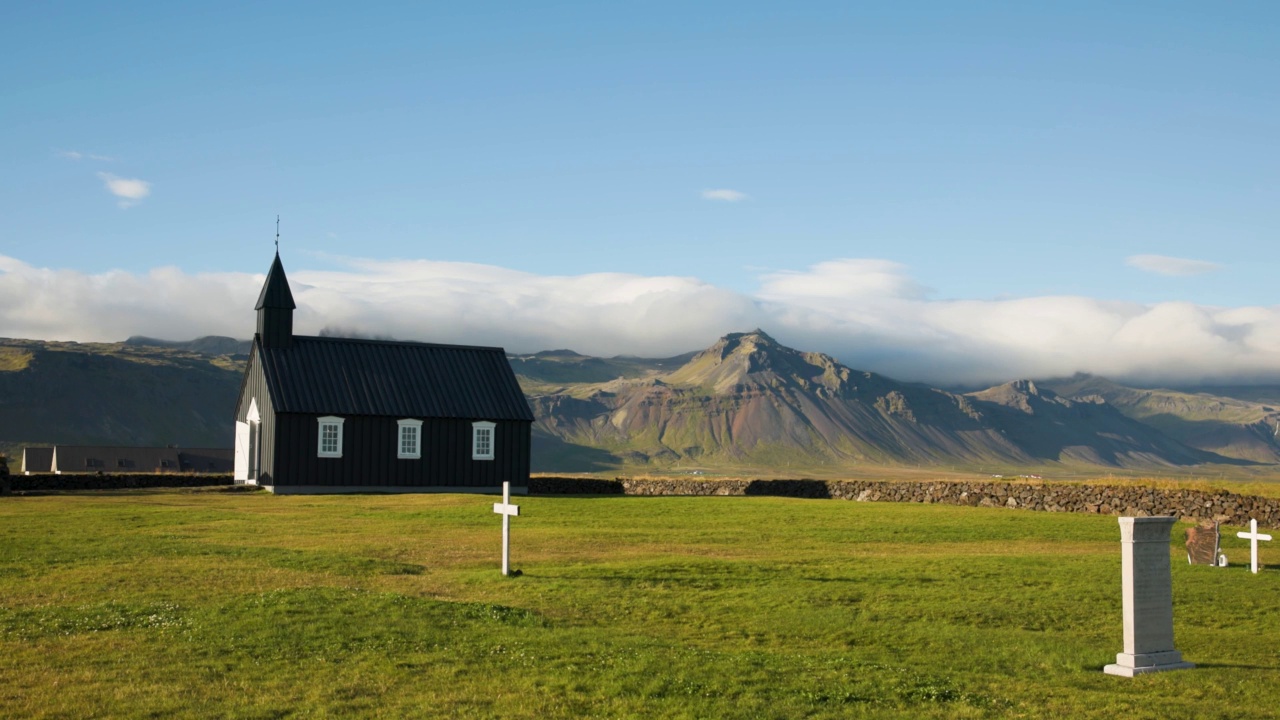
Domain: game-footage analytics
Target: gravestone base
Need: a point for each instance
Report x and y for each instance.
(1128, 665)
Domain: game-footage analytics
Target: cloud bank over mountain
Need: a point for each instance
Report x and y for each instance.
(871, 314)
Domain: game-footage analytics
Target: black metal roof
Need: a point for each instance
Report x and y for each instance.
(341, 376)
(275, 291)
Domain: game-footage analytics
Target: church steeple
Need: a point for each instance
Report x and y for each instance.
(275, 309)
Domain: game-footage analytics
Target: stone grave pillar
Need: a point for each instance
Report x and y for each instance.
(1147, 583)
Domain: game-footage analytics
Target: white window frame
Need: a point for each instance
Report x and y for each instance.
(328, 421)
(479, 428)
(416, 426)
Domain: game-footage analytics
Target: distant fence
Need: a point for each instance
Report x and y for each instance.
(1132, 500)
(113, 481)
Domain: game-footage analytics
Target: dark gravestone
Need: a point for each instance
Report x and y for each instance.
(1202, 544)
(6, 486)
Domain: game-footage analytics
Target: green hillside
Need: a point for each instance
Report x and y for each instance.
(114, 394)
(559, 370)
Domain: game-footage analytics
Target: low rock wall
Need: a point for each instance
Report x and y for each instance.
(1129, 500)
(111, 481)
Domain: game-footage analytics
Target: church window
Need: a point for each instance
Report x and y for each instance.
(410, 445)
(482, 440)
(330, 442)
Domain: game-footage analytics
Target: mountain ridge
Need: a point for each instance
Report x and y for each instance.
(745, 400)
(1232, 426)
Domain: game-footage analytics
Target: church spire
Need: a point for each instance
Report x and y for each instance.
(275, 308)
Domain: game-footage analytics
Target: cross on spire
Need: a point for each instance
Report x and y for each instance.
(277, 234)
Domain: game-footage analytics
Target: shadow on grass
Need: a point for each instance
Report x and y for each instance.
(321, 562)
(1236, 567)
(332, 563)
(139, 492)
(699, 576)
(1235, 666)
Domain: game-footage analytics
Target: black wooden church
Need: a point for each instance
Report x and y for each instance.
(330, 415)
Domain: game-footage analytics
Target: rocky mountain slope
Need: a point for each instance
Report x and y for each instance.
(745, 401)
(748, 399)
(1235, 427)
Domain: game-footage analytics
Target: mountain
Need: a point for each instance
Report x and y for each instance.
(115, 394)
(207, 345)
(746, 401)
(553, 370)
(1084, 430)
(1232, 426)
(1261, 394)
(750, 400)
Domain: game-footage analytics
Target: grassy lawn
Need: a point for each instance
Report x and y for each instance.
(220, 604)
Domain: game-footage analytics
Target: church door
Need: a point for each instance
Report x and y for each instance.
(242, 452)
(255, 448)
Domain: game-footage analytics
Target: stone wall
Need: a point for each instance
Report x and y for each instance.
(1132, 500)
(112, 481)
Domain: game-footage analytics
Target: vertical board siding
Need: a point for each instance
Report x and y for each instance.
(370, 446)
(255, 388)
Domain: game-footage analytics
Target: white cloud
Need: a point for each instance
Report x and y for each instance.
(130, 190)
(868, 313)
(44, 303)
(846, 278)
(1165, 265)
(598, 314)
(724, 195)
(76, 155)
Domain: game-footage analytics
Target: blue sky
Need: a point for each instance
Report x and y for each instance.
(982, 151)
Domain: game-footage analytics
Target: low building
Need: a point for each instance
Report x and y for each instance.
(119, 459)
(94, 459)
(219, 461)
(37, 460)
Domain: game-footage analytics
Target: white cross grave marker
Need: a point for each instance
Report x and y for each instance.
(1253, 537)
(506, 510)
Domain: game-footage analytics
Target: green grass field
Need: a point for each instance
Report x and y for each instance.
(220, 604)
